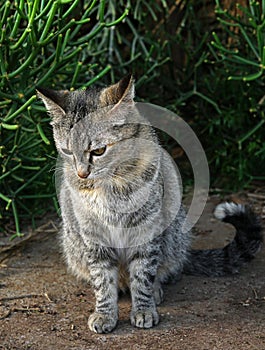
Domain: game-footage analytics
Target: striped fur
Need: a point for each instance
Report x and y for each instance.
(121, 227)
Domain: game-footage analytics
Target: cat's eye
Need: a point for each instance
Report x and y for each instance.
(98, 151)
(66, 152)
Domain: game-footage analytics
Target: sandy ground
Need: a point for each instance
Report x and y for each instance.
(43, 307)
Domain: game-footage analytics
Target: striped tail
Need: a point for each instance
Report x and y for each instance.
(228, 260)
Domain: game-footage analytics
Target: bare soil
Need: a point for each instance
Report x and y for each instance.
(43, 307)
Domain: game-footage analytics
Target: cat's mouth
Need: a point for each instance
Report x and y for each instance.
(89, 181)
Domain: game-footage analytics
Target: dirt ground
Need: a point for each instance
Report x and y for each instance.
(43, 307)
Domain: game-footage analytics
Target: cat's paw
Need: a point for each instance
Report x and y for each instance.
(144, 318)
(102, 323)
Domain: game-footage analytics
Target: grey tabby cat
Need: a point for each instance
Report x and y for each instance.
(116, 230)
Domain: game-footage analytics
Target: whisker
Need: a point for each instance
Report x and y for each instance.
(56, 168)
(51, 157)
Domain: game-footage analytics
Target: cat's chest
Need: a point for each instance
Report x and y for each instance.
(112, 230)
(113, 222)
(108, 208)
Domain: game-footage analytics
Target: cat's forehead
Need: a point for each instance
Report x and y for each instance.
(83, 102)
(92, 126)
(85, 110)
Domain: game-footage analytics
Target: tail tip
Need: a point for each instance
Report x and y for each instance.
(228, 209)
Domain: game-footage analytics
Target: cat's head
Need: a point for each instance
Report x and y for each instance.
(98, 131)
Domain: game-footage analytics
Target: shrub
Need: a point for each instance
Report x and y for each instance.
(207, 67)
(61, 44)
(46, 43)
(223, 90)
(239, 60)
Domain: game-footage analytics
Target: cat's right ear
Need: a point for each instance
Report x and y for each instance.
(123, 91)
(54, 101)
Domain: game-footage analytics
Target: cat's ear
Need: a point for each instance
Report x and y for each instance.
(123, 91)
(54, 101)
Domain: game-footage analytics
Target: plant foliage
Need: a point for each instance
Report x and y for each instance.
(204, 62)
(238, 54)
(41, 43)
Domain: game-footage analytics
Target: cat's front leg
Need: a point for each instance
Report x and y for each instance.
(104, 280)
(143, 269)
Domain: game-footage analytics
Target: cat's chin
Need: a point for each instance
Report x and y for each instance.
(90, 184)
(87, 185)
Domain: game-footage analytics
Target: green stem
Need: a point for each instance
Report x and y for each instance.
(8, 173)
(98, 76)
(52, 36)
(76, 73)
(58, 48)
(263, 57)
(249, 42)
(101, 11)
(32, 145)
(29, 26)
(9, 126)
(16, 218)
(46, 8)
(42, 135)
(32, 179)
(85, 16)
(21, 39)
(34, 159)
(21, 109)
(2, 63)
(117, 20)
(6, 102)
(49, 21)
(66, 40)
(72, 54)
(251, 132)
(36, 196)
(253, 76)
(207, 99)
(91, 35)
(23, 66)
(5, 14)
(242, 60)
(6, 199)
(67, 13)
(33, 13)
(40, 68)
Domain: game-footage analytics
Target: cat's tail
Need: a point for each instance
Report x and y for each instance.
(227, 260)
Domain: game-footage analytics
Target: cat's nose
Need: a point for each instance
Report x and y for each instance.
(83, 174)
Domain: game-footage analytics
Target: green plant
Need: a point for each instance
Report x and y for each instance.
(41, 43)
(217, 87)
(60, 44)
(223, 91)
(241, 53)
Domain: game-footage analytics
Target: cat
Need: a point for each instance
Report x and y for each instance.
(116, 231)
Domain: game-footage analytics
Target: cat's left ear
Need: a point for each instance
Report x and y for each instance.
(123, 91)
(54, 101)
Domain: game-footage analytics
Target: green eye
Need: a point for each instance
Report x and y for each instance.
(99, 151)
